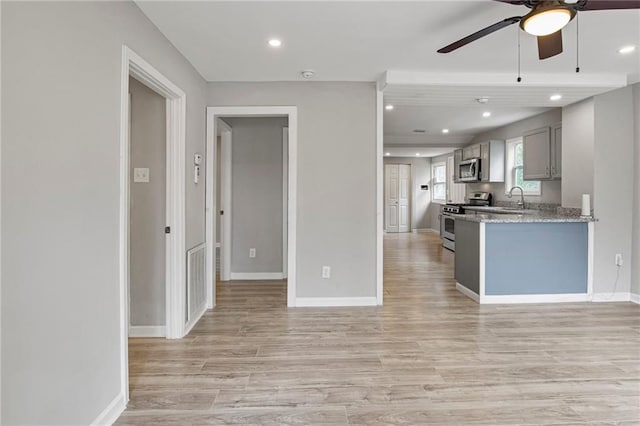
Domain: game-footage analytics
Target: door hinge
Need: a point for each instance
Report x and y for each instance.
(167, 229)
(221, 212)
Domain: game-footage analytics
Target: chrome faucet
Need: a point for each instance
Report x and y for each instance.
(521, 202)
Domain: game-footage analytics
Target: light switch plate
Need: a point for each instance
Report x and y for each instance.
(141, 175)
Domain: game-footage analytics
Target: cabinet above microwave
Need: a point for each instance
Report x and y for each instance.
(491, 161)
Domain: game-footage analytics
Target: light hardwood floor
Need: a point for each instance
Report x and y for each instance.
(429, 356)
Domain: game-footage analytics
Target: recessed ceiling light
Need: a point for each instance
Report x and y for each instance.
(626, 49)
(417, 154)
(387, 154)
(274, 42)
(388, 107)
(555, 97)
(486, 114)
(445, 131)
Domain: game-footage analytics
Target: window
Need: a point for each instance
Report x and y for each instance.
(514, 175)
(439, 181)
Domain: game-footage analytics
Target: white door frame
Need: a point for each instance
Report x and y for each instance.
(379, 192)
(225, 193)
(285, 198)
(134, 66)
(291, 112)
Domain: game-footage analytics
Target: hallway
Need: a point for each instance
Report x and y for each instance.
(429, 356)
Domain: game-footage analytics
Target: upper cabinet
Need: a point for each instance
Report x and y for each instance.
(457, 158)
(556, 151)
(542, 153)
(470, 152)
(492, 161)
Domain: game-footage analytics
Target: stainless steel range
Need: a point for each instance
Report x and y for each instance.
(448, 222)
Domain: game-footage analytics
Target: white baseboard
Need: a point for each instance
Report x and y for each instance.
(199, 313)
(335, 301)
(147, 331)
(635, 298)
(462, 289)
(434, 231)
(533, 298)
(110, 414)
(257, 276)
(615, 297)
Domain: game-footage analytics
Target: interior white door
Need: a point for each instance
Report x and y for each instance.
(397, 190)
(404, 195)
(391, 175)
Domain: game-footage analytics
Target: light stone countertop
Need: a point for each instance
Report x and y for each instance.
(506, 215)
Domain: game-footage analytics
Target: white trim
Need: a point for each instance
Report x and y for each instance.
(533, 298)
(146, 331)
(635, 298)
(467, 292)
(199, 312)
(482, 260)
(380, 194)
(110, 414)
(254, 111)
(590, 256)
(612, 297)
(285, 198)
(226, 163)
(335, 301)
(257, 276)
(134, 66)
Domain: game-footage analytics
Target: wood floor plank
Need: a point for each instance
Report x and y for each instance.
(428, 356)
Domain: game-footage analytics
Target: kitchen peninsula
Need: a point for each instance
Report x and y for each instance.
(522, 257)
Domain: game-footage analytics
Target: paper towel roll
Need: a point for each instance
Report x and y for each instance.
(586, 205)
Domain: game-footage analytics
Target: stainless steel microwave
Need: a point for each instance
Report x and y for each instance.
(469, 170)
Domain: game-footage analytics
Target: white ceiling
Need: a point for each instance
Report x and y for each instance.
(395, 43)
(358, 41)
(463, 122)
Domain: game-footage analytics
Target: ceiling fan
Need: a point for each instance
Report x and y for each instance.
(545, 20)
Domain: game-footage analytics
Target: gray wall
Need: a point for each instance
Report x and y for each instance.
(420, 200)
(635, 261)
(256, 194)
(613, 188)
(551, 192)
(60, 200)
(336, 179)
(577, 152)
(148, 207)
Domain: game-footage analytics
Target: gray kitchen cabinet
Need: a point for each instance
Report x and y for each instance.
(492, 161)
(457, 158)
(537, 154)
(470, 152)
(556, 151)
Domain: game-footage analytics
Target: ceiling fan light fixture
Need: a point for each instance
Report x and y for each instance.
(545, 21)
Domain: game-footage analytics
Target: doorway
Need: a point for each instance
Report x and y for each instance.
(397, 197)
(147, 211)
(213, 205)
(173, 232)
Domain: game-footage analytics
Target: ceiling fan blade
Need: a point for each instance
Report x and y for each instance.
(550, 45)
(516, 2)
(479, 34)
(610, 4)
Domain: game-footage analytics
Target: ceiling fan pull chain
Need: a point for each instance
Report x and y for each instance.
(519, 76)
(577, 43)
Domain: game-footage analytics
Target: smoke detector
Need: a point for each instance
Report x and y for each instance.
(307, 74)
(483, 100)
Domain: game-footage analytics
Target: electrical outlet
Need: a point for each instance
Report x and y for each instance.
(252, 253)
(326, 272)
(619, 259)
